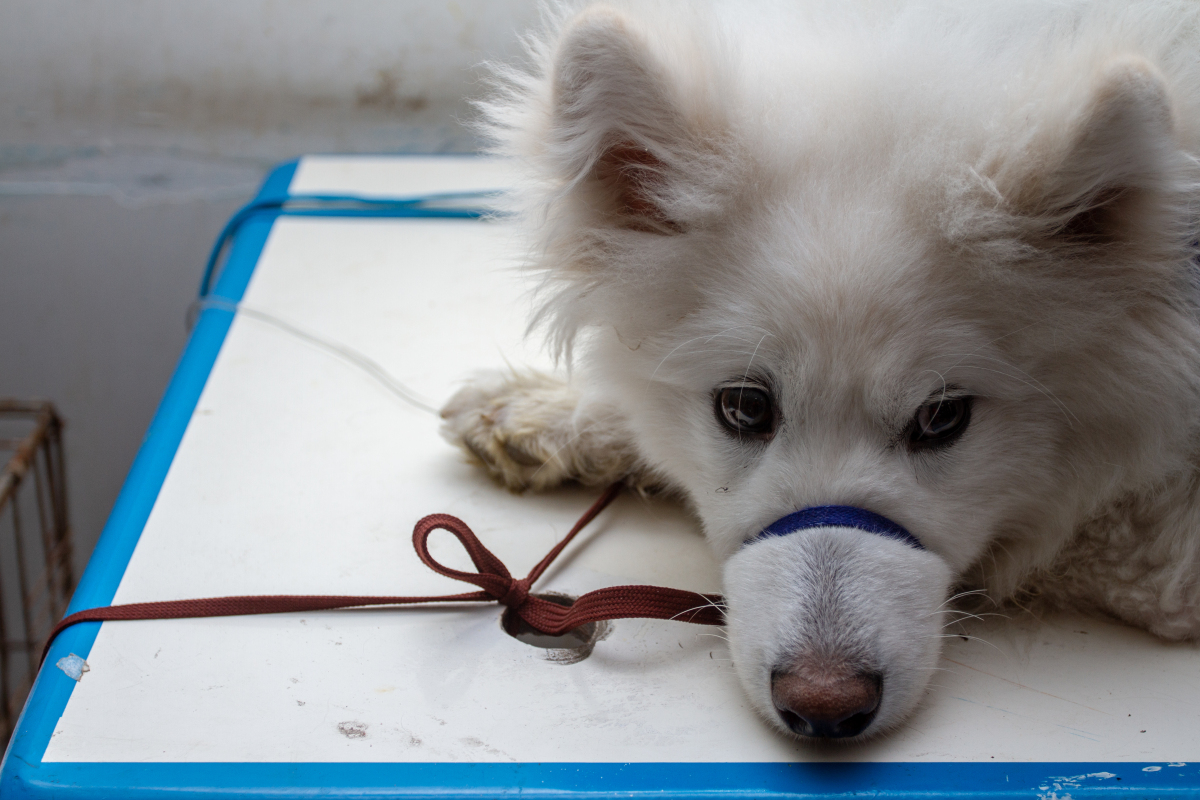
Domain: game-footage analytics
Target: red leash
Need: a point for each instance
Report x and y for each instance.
(493, 579)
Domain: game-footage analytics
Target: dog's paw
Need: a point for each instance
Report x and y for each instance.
(526, 429)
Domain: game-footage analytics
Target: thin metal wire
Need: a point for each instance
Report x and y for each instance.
(62, 519)
(45, 527)
(22, 576)
(6, 693)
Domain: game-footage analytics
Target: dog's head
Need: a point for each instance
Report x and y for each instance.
(837, 268)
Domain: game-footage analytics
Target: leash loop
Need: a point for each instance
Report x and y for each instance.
(493, 577)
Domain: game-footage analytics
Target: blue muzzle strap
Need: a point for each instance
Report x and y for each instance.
(838, 517)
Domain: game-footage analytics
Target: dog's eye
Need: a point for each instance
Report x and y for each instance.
(939, 423)
(746, 410)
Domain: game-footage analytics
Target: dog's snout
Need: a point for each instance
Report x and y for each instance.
(835, 705)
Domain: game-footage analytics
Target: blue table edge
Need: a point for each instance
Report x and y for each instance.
(23, 774)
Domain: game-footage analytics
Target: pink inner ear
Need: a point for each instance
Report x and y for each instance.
(633, 174)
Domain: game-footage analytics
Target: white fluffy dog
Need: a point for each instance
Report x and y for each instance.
(934, 261)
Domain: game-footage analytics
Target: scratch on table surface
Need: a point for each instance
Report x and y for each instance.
(471, 741)
(1080, 732)
(1027, 688)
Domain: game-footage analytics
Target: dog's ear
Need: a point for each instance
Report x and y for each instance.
(1108, 180)
(615, 128)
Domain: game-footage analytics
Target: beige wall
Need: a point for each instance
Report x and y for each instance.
(131, 129)
(238, 76)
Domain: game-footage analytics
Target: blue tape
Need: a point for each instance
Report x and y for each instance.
(427, 206)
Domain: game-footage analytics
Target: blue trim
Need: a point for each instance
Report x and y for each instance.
(838, 517)
(24, 776)
(189, 781)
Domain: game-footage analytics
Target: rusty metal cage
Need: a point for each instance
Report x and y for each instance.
(36, 579)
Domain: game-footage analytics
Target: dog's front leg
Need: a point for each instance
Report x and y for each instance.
(535, 431)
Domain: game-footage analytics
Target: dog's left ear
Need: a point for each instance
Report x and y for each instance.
(1108, 181)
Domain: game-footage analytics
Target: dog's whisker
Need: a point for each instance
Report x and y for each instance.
(707, 604)
(968, 615)
(706, 338)
(959, 596)
(968, 637)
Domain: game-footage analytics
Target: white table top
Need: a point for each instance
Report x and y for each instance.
(300, 474)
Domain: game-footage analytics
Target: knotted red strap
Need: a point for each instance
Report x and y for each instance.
(493, 579)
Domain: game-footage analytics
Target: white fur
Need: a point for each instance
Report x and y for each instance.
(860, 204)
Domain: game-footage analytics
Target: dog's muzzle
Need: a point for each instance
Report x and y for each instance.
(842, 702)
(837, 517)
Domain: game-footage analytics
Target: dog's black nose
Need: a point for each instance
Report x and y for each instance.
(833, 705)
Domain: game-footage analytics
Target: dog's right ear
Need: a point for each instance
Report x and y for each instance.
(617, 135)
